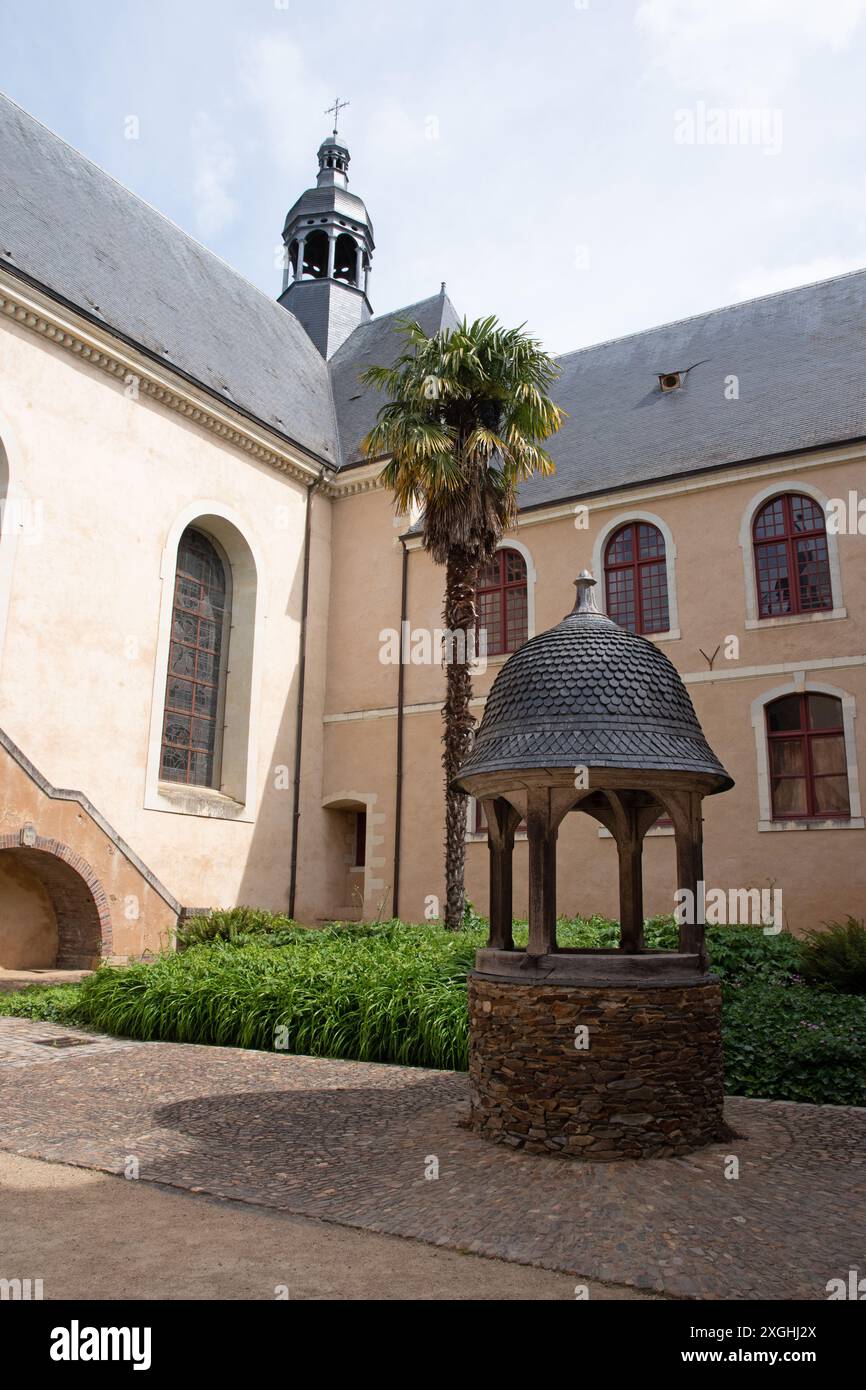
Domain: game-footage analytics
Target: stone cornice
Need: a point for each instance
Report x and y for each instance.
(33, 310)
(363, 478)
(725, 475)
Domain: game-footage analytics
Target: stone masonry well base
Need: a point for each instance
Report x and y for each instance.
(597, 1072)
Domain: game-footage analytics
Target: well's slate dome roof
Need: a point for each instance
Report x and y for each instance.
(588, 693)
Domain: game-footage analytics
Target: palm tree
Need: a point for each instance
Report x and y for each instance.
(464, 424)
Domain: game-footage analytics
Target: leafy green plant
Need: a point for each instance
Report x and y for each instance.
(45, 1003)
(836, 957)
(464, 424)
(393, 992)
(229, 924)
(794, 1043)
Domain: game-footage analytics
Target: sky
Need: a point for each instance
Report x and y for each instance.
(586, 167)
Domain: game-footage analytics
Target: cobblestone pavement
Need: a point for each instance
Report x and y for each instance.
(350, 1142)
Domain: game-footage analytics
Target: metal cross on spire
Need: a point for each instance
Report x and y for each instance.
(335, 112)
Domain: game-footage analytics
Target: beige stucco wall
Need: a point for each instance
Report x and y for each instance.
(108, 477)
(821, 872)
(107, 482)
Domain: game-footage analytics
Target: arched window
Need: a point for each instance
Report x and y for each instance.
(636, 580)
(195, 688)
(346, 259)
(792, 564)
(502, 602)
(316, 255)
(808, 763)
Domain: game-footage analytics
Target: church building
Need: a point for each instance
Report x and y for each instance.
(200, 576)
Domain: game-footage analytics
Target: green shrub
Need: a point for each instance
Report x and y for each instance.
(393, 992)
(45, 1003)
(395, 995)
(230, 924)
(794, 1043)
(836, 957)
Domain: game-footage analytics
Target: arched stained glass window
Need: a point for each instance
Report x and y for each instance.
(195, 687)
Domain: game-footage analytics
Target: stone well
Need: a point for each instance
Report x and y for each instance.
(606, 1054)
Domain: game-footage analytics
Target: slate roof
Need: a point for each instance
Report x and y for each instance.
(70, 227)
(322, 200)
(800, 356)
(800, 360)
(376, 343)
(588, 693)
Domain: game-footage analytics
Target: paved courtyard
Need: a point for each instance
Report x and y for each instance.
(350, 1143)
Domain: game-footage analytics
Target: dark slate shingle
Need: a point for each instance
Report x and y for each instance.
(376, 343)
(69, 226)
(586, 693)
(800, 360)
(799, 356)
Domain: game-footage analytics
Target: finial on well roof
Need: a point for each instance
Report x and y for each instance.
(585, 601)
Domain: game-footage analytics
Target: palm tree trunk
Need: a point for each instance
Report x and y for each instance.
(459, 616)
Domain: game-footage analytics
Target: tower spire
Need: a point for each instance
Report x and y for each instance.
(329, 249)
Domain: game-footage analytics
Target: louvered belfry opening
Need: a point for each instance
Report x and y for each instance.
(590, 717)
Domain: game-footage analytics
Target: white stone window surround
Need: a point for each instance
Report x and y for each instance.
(236, 797)
(376, 863)
(747, 545)
(599, 548)
(798, 685)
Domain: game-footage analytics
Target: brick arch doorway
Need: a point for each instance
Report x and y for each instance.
(53, 910)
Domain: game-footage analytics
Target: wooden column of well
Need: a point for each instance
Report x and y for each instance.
(502, 821)
(542, 835)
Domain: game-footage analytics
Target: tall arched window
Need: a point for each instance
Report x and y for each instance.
(502, 602)
(792, 564)
(316, 250)
(808, 763)
(636, 579)
(346, 259)
(195, 688)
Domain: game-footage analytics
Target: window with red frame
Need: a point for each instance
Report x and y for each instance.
(501, 602)
(808, 764)
(193, 693)
(792, 563)
(636, 578)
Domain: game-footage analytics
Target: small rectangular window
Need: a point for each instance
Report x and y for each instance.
(360, 839)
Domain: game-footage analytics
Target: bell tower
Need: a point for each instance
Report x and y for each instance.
(329, 245)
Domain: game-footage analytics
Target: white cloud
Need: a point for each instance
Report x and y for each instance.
(764, 280)
(214, 169)
(742, 48)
